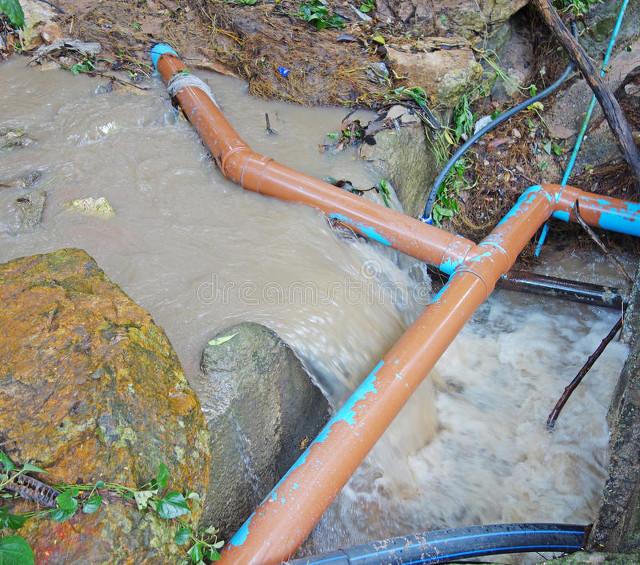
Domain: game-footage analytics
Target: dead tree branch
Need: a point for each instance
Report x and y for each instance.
(610, 107)
(568, 391)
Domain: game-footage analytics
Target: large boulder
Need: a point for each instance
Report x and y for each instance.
(91, 389)
(403, 153)
(262, 411)
(444, 67)
(463, 17)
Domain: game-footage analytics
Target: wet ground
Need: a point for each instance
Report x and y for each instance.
(201, 254)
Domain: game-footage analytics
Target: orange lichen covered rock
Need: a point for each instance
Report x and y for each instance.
(91, 389)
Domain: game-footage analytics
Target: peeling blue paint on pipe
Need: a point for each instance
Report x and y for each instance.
(347, 411)
(620, 222)
(561, 215)
(448, 266)
(158, 50)
(527, 197)
(345, 414)
(368, 231)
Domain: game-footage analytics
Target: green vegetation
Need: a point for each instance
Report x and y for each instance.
(316, 12)
(576, 7)
(367, 6)
(447, 203)
(86, 66)
(153, 496)
(245, 2)
(13, 11)
(384, 190)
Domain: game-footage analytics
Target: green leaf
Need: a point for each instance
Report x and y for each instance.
(223, 339)
(92, 504)
(212, 554)
(172, 505)
(194, 496)
(100, 484)
(11, 521)
(67, 505)
(13, 11)
(14, 550)
(142, 498)
(162, 477)
(196, 552)
(4, 459)
(183, 535)
(66, 501)
(29, 468)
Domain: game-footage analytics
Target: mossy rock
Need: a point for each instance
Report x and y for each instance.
(91, 389)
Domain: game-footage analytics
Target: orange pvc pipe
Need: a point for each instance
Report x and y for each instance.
(286, 517)
(263, 175)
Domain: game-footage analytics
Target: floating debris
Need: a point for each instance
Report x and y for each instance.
(93, 206)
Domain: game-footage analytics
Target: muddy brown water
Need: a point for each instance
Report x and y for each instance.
(201, 254)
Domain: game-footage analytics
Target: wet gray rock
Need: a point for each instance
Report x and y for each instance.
(617, 528)
(403, 154)
(12, 138)
(26, 180)
(565, 116)
(596, 28)
(514, 46)
(262, 409)
(29, 208)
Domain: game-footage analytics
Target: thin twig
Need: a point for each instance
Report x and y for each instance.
(568, 391)
(601, 244)
(268, 125)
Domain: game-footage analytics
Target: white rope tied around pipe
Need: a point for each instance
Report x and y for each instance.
(185, 80)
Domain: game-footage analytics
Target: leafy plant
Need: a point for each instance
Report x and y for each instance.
(367, 6)
(415, 93)
(316, 12)
(384, 190)
(245, 2)
(15, 550)
(447, 205)
(13, 11)
(86, 66)
(153, 496)
(463, 119)
(576, 7)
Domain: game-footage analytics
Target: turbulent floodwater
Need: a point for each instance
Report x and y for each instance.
(200, 254)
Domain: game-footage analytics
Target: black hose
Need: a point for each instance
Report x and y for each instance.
(431, 200)
(444, 546)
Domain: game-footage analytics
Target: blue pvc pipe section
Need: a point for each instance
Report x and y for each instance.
(158, 50)
(443, 546)
(587, 118)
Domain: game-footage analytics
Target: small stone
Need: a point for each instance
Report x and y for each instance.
(51, 32)
(632, 89)
(482, 122)
(516, 133)
(90, 206)
(21, 181)
(11, 138)
(29, 210)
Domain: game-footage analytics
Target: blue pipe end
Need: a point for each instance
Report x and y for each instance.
(158, 50)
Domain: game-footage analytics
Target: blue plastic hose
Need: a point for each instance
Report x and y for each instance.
(444, 546)
(587, 118)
